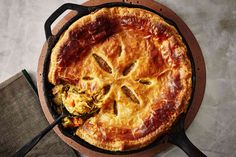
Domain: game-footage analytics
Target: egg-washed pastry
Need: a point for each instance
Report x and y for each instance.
(128, 70)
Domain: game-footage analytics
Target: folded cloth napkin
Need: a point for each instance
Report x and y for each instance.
(21, 118)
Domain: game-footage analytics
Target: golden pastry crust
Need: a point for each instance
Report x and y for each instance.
(144, 62)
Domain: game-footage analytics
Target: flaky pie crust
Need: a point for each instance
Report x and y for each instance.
(143, 60)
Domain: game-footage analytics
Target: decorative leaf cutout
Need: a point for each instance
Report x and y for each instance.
(130, 94)
(115, 108)
(102, 63)
(127, 69)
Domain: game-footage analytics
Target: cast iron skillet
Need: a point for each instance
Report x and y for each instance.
(176, 135)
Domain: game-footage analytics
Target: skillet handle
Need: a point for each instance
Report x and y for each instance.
(68, 6)
(178, 137)
(182, 141)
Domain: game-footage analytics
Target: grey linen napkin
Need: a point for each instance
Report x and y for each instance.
(21, 118)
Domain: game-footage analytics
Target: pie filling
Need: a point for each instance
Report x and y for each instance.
(123, 74)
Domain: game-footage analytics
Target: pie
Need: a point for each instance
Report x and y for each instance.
(124, 74)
